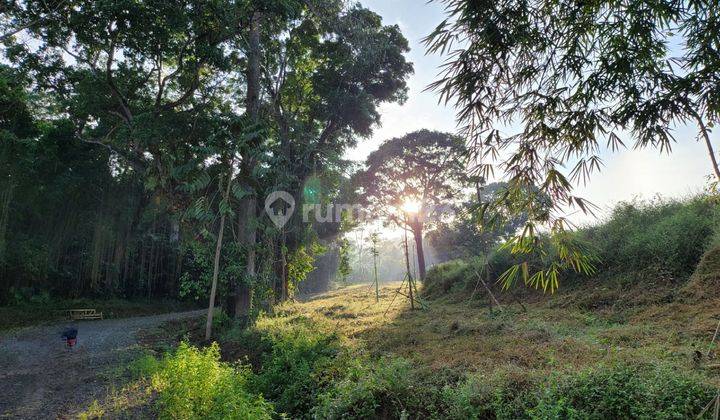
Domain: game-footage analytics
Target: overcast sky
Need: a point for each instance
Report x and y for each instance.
(627, 174)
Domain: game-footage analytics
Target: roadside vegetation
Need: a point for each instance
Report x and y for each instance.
(333, 359)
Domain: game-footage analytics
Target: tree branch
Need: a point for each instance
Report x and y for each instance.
(706, 136)
(27, 25)
(124, 108)
(135, 163)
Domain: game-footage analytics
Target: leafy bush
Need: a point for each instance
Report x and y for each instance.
(193, 384)
(639, 242)
(460, 276)
(384, 388)
(28, 296)
(506, 394)
(299, 363)
(658, 237)
(624, 392)
(301, 263)
(221, 320)
(441, 278)
(306, 373)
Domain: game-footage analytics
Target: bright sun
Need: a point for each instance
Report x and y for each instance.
(411, 206)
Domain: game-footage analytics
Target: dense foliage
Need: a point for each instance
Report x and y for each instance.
(70, 224)
(629, 392)
(659, 237)
(136, 136)
(192, 383)
(474, 230)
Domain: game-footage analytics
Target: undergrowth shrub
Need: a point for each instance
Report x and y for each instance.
(442, 278)
(505, 394)
(192, 383)
(623, 392)
(387, 388)
(307, 372)
(299, 363)
(656, 241)
(307, 381)
(460, 277)
(657, 237)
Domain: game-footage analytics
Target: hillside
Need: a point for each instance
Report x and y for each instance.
(552, 335)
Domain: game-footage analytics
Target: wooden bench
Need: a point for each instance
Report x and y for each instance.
(78, 314)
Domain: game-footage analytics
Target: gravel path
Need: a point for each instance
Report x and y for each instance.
(41, 378)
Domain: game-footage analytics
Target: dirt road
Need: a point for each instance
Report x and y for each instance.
(41, 378)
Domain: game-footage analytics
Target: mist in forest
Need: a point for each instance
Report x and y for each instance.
(390, 259)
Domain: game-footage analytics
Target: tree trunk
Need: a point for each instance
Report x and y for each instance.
(284, 277)
(711, 152)
(252, 99)
(174, 231)
(280, 268)
(417, 234)
(243, 303)
(243, 290)
(216, 263)
(410, 279)
(248, 236)
(5, 219)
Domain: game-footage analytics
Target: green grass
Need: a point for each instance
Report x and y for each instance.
(654, 244)
(622, 344)
(339, 356)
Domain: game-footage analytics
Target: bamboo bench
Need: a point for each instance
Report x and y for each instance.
(78, 314)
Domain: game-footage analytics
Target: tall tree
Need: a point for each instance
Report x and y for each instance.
(167, 95)
(424, 170)
(325, 81)
(247, 237)
(127, 73)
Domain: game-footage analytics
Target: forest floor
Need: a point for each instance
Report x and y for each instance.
(551, 334)
(41, 378)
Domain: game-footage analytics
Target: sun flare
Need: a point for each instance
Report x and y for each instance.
(411, 206)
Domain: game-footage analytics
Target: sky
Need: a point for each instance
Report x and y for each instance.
(627, 174)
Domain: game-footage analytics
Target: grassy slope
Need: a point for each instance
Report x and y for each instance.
(553, 335)
(456, 338)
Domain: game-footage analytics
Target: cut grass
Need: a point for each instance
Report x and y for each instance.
(464, 356)
(552, 336)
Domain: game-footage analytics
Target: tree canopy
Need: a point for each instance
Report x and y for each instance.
(424, 169)
(199, 108)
